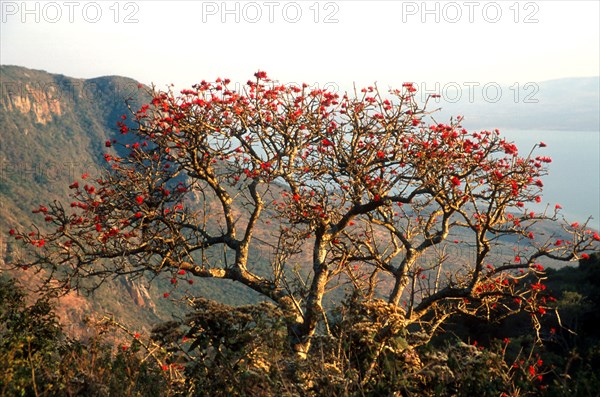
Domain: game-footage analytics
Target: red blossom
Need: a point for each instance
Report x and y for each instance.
(409, 87)
(538, 286)
(123, 127)
(544, 159)
(541, 311)
(260, 75)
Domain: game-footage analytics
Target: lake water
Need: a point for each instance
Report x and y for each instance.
(574, 174)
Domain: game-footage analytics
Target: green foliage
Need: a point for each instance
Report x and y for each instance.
(244, 345)
(219, 350)
(37, 359)
(29, 334)
(575, 343)
(94, 368)
(366, 354)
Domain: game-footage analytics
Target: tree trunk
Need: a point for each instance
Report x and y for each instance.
(302, 332)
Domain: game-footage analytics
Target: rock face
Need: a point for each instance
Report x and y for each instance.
(139, 294)
(43, 100)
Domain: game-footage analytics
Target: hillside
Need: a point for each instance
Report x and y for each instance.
(52, 131)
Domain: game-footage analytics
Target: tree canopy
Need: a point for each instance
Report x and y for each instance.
(361, 191)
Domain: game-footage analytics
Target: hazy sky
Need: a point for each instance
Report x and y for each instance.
(315, 42)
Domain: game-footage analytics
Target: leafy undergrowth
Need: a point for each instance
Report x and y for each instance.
(217, 350)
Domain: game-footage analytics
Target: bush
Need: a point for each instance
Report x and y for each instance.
(37, 359)
(29, 337)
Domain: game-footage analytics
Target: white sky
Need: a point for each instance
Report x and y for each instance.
(366, 41)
